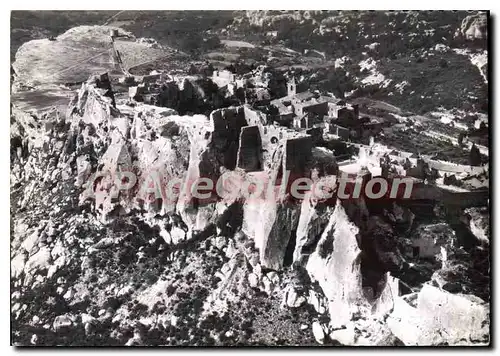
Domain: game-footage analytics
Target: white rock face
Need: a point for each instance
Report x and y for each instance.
(313, 217)
(17, 265)
(316, 301)
(163, 153)
(40, 260)
(272, 234)
(293, 299)
(318, 332)
(440, 317)
(479, 223)
(334, 265)
(345, 336)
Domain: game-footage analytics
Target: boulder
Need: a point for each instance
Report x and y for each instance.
(292, 299)
(62, 322)
(17, 265)
(253, 280)
(316, 301)
(39, 261)
(345, 336)
(440, 318)
(318, 332)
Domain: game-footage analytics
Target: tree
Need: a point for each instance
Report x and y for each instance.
(240, 95)
(192, 69)
(474, 156)
(192, 43)
(277, 86)
(211, 43)
(461, 137)
(443, 63)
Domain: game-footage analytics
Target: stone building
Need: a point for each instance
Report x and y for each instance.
(223, 77)
(340, 131)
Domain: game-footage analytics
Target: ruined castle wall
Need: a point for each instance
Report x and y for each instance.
(466, 199)
(255, 118)
(227, 124)
(455, 168)
(345, 114)
(249, 153)
(298, 155)
(319, 109)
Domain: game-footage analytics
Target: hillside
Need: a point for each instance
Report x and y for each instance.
(408, 58)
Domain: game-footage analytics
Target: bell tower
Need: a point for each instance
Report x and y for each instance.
(292, 87)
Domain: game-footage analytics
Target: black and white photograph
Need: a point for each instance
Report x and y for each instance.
(250, 178)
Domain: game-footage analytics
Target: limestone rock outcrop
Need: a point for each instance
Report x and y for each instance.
(478, 222)
(336, 265)
(314, 216)
(277, 221)
(440, 318)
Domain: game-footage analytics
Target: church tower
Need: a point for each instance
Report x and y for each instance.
(292, 87)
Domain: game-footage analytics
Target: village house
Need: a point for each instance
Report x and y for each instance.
(307, 110)
(223, 78)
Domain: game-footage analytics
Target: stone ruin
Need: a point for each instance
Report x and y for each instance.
(249, 153)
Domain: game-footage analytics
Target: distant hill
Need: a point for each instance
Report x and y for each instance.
(419, 60)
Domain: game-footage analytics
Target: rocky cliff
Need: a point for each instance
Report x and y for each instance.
(103, 251)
